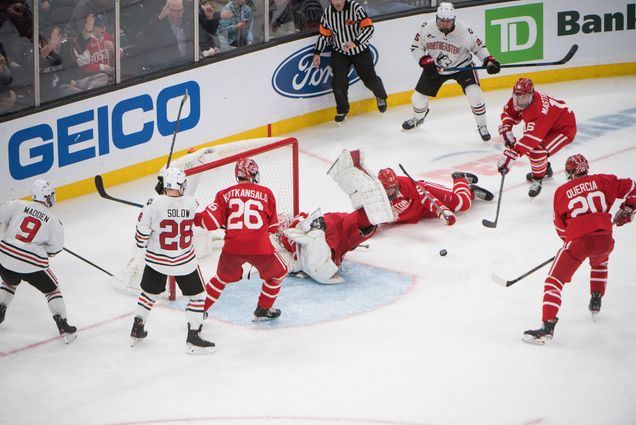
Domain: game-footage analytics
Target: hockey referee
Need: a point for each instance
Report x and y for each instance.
(347, 27)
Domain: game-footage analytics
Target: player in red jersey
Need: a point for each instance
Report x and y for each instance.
(583, 222)
(247, 210)
(410, 205)
(549, 126)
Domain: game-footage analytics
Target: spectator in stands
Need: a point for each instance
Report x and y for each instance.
(96, 60)
(236, 31)
(7, 96)
(83, 8)
(307, 14)
(166, 40)
(281, 17)
(209, 21)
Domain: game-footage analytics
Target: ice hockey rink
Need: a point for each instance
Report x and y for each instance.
(411, 337)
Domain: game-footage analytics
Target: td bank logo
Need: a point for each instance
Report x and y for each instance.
(515, 34)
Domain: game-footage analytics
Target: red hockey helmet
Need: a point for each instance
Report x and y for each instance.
(247, 169)
(522, 93)
(576, 165)
(389, 181)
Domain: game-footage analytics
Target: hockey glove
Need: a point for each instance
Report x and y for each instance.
(492, 66)
(446, 215)
(428, 66)
(624, 215)
(159, 185)
(504, 162)
(509, 138)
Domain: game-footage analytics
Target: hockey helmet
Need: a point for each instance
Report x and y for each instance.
(41, 191)
(522, 93)
(247, 169)
(389, 181)
(175, 179)
(445, 17)
(576, 166)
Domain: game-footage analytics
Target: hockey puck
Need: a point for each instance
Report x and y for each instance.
(443, 252)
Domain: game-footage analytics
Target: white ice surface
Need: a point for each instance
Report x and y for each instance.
(448, 351)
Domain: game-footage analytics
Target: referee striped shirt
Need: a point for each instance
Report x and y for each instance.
(350, 24)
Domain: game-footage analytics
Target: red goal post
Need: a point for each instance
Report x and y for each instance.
(210, 170)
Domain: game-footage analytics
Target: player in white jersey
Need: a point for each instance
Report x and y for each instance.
(448, 43)
(165, 231)
(32, 235)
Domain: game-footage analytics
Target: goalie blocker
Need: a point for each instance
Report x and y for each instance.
(363, 187)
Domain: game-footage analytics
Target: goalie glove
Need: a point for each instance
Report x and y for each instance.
(509, 138)
(624, 215)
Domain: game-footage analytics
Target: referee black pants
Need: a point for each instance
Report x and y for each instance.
(363, 64)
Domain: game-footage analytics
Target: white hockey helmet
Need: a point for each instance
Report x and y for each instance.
(445, 17)
(42, 191)
(174, 178)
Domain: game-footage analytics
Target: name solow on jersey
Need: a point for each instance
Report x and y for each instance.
(87, 134)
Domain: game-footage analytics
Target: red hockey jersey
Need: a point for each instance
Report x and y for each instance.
(97, 52)
(343, 234)
(582, 205)
(544, 115)
(411, 205)
(248, 213)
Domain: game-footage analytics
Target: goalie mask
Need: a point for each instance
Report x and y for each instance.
(175, 179)
(41, 191)
(247, 169)
(522, 93)
(389, 181)
(576, 166)
(445, 17)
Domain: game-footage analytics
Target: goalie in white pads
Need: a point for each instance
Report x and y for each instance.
(32, 235)
(449, 43)
(165, 231)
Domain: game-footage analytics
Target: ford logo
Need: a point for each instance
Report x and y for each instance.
(296, 78)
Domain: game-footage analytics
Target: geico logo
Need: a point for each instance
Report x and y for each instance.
(87, 134)
(568, 21)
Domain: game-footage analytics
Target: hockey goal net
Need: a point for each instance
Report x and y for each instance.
(212, 169)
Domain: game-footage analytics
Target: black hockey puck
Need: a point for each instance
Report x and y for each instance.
(443, 252)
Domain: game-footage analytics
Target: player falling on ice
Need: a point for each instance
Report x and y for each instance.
(582, 220)
(165, 231)
(410, 205)
(449, 43)
(32, 235)
(549, 126)
(247, 211)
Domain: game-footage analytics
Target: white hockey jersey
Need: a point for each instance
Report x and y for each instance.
(165, 229)
(451, 50)
(32, 235)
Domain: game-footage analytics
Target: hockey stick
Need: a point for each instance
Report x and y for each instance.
(86, 261)
(434, 201)
(562, 61)
(503, 282)
(99, 185)
(493, 224)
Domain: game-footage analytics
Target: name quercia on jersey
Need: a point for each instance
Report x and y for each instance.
(247, 193)
(583, 187)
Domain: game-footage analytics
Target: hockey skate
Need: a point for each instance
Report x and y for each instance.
(481, 193)
(595, 304)
(262, 314)
(138, 333)
(67, 331)
(541, 336)
(414, 122)
(548, 174)
(3, 311)
(535, 188)
(465, 175)
(381, 104)
(483, 132)
(339, 118)
(197, 345)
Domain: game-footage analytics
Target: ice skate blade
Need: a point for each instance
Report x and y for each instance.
(594, 315)
(68, 338)
(263, 319)
(135, 341)
(193, 349)
(536, 341)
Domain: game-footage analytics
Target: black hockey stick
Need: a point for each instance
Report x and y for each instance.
(503, 282)
(562, 61)
(86, 261)
(159, 185)
(493, 224)
(434, 201)
(99, 185)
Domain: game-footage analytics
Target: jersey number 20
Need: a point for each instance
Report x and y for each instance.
(591, 203)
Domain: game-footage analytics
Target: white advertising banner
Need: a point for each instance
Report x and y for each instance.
(122, 128)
